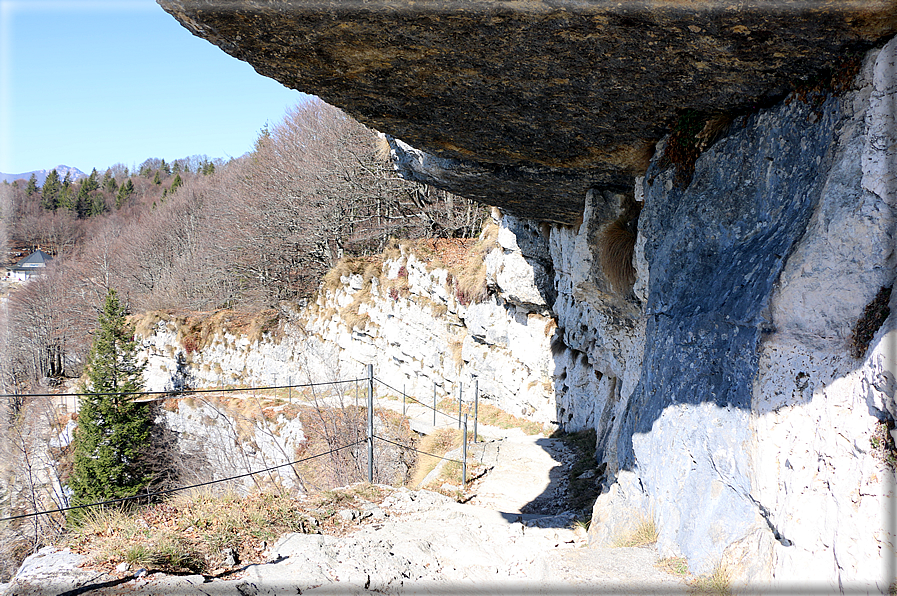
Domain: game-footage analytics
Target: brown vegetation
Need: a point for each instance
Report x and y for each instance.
(243, 235)
(870, 322)
(617, 250)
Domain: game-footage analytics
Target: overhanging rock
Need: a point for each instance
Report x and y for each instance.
(527, 104)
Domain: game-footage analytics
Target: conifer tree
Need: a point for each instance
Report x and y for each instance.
(176, 183)
(66, 198)
(124, 191)
(32, 185)
(50, 193)
(91, 184)
(109, 183)
(82, 201)
(113, 430)
(97, 205)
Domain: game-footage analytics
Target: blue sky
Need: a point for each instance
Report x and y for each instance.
(93, 83)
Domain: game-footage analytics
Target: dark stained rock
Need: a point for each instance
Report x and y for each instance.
(715, 251)
(526, 104)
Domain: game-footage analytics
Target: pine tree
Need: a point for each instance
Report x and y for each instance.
(97, 205)
(109, 183)
(82, 201)
(113, 430)
(91, 184)
(176, 183)
(66, 198)
(124, 192)
(50, 193)
(32, 185)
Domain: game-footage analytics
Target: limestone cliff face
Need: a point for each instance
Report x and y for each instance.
(529, 104)
(726, 398)
(751, 431)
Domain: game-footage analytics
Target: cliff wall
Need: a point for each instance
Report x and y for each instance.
(732, 398)
(528, 104)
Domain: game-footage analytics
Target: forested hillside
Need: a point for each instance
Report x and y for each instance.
(200, 234)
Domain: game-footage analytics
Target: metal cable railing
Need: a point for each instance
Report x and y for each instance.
(178, 489)
(371, 436)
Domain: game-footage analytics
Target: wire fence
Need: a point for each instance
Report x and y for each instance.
(370, 379)
(169, 491)
(183, 392)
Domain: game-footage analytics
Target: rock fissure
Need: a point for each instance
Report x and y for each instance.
(764, 512)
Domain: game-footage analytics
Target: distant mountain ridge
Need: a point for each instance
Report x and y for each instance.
(41, 175)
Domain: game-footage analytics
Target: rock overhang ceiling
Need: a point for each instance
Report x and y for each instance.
(527, 104)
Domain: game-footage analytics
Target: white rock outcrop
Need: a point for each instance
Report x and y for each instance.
(725, 399)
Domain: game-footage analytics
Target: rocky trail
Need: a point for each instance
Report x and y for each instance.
(510, 537)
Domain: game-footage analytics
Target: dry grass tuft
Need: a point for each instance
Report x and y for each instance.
(195, 330)
(617, 250)
(438, 309)
(715, 127)
(145, 324)
(344, 268)
(381, 148)
(715, 583)
(456, 348)
(673, 565)
(437, 443)
(189, 532)
(644, 534)
(492, 416)
(353, 318)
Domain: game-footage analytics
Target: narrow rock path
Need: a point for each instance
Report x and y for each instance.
(513, 536)
(525, 473)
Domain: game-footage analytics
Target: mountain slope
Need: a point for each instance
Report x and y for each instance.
(41, 175)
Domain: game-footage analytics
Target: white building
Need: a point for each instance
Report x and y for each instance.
(33, 264)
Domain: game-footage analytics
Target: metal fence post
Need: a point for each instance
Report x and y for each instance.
(464, 458)
(371, 423)
(476, 404)
(460, 390)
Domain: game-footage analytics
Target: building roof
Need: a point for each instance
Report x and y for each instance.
(36, 259)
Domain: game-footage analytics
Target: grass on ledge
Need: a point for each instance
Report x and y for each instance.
(644, 534)
(187, 533)
(492, 416)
